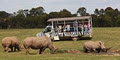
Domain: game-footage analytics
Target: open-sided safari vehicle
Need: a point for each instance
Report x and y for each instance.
(70, 27)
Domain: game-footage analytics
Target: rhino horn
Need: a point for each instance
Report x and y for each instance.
(108, 48)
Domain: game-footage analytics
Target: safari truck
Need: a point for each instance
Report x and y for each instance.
(70, 27)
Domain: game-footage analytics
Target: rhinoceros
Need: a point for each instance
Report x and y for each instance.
(94, 46)
(38, 43)
(11, 42)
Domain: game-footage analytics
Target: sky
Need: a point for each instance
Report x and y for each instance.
(11, 6)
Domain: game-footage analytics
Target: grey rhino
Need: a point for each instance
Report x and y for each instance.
(38, 43)
(92, 46)
(11, 42)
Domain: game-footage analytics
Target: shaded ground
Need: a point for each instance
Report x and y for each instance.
(113, 52)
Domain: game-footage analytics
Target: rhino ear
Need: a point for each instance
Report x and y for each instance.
(100, 42)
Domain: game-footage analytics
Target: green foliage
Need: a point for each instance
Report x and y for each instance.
(4, 14)
(82, 11)
(16, 21)
(4, 23)
(54, 14)
(106, 18)
(20, 21)
(118, 21)
(37, 11)
(65, 13)
(37, 18)
(96, 12)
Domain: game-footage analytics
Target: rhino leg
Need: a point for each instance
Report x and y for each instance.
(11, 49)
(17, 47)
(27, 51)
(52, 48)
(85, 50)
(98, 50)
(6, 49)
(42, 49)
(14, 48)
(91, 50)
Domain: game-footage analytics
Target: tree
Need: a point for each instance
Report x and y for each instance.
(54, 15)
(107, 21)
(4, 23)
(101, 12)
(16, 21)
(104, 21)
(65, 13)
(111, 13)
(4, 14)
(20, 12)
(23, 12)
(4, 19)
(108, 8)
(37, 11)
(117, 12)
(96, 12)
(118, 21)
(94, 20)
(26, 12)
(82, 11)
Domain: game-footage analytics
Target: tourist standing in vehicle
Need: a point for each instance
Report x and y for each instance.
(59, 28)
(75, 26)
(85, 28)
(88, 26)
(80, 28)
(68, 27)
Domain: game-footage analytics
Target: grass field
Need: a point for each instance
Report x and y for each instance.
(110, 36)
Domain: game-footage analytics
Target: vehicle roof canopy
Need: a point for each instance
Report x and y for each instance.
(69, 18)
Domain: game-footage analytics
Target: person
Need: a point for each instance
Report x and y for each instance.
(59, 28)
(88, 26)
(75, 26)
(56, 29)
(68, 28)
(85, 27)
(64, 28)
(80, 27)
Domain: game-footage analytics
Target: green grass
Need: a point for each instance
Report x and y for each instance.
(110, 36)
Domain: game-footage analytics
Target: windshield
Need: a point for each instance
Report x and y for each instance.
(47, 29)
